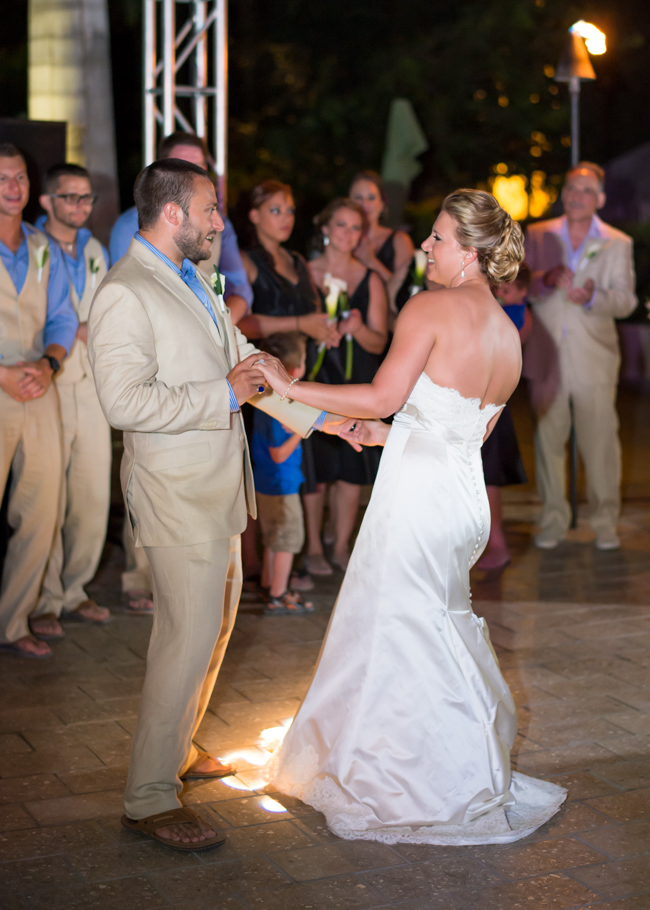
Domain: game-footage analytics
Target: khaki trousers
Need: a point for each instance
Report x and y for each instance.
(30, 445)
(196, 592)
(596, 424)
(137, 576)
(85, 499)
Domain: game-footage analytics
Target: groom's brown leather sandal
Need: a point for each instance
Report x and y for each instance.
(183, 816)
(224, 771)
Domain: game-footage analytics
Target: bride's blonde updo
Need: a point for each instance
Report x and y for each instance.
(481, 223)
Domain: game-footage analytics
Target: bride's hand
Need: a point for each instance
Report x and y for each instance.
(274, 373)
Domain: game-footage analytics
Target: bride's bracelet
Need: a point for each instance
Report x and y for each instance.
(287, 389)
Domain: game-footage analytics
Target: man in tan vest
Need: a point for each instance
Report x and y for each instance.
(37, 329)
(172, 372)
(85, 499)
(583, 279)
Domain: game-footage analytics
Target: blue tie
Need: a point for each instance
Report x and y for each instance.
(188, 275)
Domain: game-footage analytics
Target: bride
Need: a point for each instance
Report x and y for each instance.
(406, 730)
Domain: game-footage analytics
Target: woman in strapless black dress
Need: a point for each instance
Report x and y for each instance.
(388, 253)
(356, 359)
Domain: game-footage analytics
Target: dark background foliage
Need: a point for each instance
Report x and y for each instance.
(311, 84)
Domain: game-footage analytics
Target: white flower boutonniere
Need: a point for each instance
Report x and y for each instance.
(42, 255)
(94, 268)
(218, 282)
(591, 251)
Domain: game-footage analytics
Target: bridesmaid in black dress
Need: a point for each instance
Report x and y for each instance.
(388, 253)
(342, 226)
(284, 300)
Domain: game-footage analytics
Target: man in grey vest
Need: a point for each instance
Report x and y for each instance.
(37, 329)
(85, 498)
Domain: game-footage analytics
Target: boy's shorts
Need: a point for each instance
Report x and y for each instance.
(281, 520)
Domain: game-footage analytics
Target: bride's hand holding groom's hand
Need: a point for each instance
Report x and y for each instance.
(273, 372)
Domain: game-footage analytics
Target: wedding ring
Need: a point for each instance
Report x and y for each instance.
(258, 361)
(353, 427)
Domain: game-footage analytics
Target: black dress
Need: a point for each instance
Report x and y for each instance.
(275, 295)
(335, 459)
(502, 464)
(386, 255)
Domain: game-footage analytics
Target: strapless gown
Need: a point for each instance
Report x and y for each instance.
(406, 730)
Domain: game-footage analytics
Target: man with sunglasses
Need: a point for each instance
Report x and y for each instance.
(85, 499)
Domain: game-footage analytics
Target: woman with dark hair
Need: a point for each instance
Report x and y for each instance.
(362, 325)
(284, 296)
(388, 253)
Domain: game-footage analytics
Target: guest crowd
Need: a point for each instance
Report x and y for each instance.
(327, 319)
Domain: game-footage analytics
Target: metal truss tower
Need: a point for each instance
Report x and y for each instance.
(185, 75)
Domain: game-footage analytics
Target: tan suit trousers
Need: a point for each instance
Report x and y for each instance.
(596, 425)
(85, 499)
(137, 575)
(30, 445)
(196, 592)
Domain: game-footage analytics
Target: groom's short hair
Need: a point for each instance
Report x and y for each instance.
(163, 181)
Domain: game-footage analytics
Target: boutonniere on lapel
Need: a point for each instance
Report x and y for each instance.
(42, 255)
(93, 265)
(218, 281)
(591, 251)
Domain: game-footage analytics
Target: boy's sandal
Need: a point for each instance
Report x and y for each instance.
(287, 604)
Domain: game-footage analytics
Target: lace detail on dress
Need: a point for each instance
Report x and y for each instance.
(430, 403)
(535, 802)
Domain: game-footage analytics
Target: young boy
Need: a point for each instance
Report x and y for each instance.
(277, 459)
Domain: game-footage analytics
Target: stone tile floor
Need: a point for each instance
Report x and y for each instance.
(572, 630)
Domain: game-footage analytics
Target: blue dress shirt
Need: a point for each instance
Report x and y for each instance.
(61, 321)
(230, 263)
(75, 267)
(188, 274)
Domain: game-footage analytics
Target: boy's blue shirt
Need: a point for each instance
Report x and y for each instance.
(271, 478)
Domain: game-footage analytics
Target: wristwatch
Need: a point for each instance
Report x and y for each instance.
(53, 362)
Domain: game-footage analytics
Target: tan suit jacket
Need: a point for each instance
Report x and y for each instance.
(160, 367)
(585, 336)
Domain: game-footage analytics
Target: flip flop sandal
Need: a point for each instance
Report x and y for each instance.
(147, 827)
(11, 647)
(288, 604)
(45, 636)
(76, 616)
(226, 771)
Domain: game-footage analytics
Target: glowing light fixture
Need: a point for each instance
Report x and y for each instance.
(593, 37)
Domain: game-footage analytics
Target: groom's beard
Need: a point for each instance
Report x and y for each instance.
(189, 241)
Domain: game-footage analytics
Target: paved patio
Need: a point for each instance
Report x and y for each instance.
(572, 629)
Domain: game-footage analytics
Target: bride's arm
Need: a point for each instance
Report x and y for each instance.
(413, 340)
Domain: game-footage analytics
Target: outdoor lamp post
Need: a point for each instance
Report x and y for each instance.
(575, 67)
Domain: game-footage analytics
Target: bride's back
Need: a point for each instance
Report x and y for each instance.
(475, 346)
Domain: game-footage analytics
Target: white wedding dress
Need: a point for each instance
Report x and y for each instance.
(406, 730)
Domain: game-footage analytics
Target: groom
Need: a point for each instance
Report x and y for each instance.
(172, 372)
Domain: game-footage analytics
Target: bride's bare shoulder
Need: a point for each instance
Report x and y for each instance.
(425, 305)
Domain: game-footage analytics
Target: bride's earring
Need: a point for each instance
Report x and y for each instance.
(462, 274)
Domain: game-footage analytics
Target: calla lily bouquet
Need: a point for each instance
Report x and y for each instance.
(419, 272)
(336, 304)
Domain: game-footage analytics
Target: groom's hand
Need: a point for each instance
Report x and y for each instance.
(246, 379)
